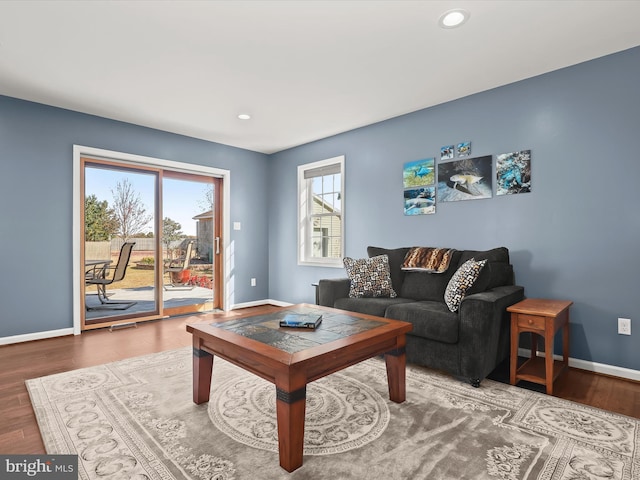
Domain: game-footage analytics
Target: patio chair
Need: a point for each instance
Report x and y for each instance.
(104, 275)
(175, 268)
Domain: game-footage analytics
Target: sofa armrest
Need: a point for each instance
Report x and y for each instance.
(485, 327)
(331, 289)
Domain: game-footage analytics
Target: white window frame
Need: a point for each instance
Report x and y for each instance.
(305, 221)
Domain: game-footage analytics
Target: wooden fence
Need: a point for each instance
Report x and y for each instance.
(101, 250)
(97, 250)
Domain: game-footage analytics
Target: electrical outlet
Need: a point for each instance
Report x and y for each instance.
(624, 326)
(253, 282)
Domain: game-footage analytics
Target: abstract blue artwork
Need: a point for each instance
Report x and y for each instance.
(513, 173)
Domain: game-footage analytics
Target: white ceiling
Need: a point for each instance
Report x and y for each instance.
(303, 69)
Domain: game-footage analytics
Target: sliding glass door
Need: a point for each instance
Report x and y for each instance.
(190, 243)
(120, 208)
(151, 244)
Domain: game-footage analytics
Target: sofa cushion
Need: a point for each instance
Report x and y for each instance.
(428, 259)
(396, 257)
(500, 254)
(431, 320)
(461, 281)
(369, 277)
(425, 286)
(370, 306)
(496, 272)
(428, 286)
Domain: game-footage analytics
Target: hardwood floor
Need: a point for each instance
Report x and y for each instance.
(19, 432)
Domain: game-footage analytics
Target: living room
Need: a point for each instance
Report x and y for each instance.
(570, 238)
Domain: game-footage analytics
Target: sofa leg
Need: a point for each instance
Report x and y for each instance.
(475, 382)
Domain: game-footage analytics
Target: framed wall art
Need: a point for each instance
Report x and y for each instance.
(513, 173)
(446, 152)
(418, 181)
(467, 179)
(420, 200)
(463, 149)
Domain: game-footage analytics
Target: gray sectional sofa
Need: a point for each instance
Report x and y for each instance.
(468, 343)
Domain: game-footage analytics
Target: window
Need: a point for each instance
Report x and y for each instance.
(321, 213)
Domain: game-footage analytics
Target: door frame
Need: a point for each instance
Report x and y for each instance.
(140, 160)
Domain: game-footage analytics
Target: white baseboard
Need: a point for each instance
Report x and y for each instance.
(603, 368)
(28, 337)
(258, 303)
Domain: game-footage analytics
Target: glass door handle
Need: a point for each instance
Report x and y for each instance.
(217, 245)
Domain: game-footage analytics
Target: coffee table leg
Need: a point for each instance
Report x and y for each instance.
(290, 410)
(396, 361)
(202, 369)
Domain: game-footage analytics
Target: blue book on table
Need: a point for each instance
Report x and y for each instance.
(301, 320)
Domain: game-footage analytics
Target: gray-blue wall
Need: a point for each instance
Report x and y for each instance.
(575, 236)
(36, 152)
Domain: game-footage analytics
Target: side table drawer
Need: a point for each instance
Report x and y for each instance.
(531, 321)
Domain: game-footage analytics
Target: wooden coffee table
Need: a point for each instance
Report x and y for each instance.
(292, 358)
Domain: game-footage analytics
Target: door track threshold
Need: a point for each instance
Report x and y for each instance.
(118, 326)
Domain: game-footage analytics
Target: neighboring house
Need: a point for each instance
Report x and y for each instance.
(204, 235)
(326, 229)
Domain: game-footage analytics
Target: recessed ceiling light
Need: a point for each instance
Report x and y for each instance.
(454, 18)
(244, 116)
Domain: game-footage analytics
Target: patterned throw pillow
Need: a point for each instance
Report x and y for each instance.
(461, 281)
(369, 277)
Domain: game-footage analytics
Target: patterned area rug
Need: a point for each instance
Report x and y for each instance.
(135, 419)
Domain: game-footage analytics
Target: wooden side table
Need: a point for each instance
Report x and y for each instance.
(539, 317)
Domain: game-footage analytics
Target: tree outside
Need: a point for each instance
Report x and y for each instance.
(171, 231)
(206, 202)
(129, 210)
(100, 220)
